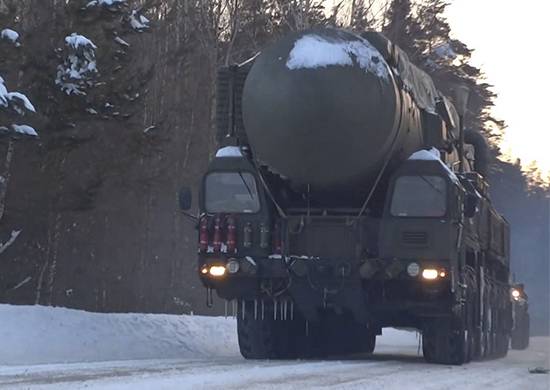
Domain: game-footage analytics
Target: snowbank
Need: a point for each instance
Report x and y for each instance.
(38, 334)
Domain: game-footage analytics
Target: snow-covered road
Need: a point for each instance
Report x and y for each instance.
(81, 349)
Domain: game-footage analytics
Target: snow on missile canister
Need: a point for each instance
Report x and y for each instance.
(324, 109)
(342, 201)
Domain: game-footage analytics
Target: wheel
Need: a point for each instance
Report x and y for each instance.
(444, 341)
(368, 342)
(503, 340)
(358, 339)
(503, 336)
(487, 332)
(470, 337)
(341, 335)
(520, 334)
(268, 338)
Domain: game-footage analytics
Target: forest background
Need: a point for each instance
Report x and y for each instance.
(88, 206)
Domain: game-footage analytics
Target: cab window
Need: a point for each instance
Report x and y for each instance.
(231, 192)
(419, 196)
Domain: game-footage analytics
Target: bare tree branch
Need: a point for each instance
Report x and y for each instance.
(14, 235)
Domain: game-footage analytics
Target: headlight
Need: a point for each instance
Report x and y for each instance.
(217, 270)
(413, 269)
(430, 274)
(232, 266)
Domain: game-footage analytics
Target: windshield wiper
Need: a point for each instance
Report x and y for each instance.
(246, 185)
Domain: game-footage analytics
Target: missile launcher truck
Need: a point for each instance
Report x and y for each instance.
(347, 197)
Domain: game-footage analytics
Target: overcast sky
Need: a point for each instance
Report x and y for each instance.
(511, 39)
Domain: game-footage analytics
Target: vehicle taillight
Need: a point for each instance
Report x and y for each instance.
(203, 234)
(277, 242)
(231, 235)
(217, 241)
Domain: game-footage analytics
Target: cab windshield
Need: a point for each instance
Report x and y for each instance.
(231, 192)
(419, 196)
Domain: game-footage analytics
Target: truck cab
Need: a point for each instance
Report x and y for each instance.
(423, 218)
(234, 224)
(420, 239)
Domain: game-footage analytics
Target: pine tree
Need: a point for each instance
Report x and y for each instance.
(402, 28)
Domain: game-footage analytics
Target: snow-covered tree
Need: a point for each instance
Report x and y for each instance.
(14, 105)
(79, 69)
(108, 4)
(11, 36)
(138, 21)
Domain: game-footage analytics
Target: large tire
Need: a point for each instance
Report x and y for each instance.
(503, 335)
(368, 342)
(444, 341)
(339, 335)
(268, 338)
(486, 334)
(503, 341)
(470, 336)
(520, 334)
(291, 339)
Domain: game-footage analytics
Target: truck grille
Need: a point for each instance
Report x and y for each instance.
(328, 238)
(414, 238)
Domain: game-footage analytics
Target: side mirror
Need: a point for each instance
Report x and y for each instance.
(470, 205)
(185, 198)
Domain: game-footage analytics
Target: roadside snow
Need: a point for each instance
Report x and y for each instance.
(229, 151)
(313, 51)
(39, 334)
(174, 352)
(46, 335)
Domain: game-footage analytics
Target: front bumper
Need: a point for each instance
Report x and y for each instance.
(380, 288)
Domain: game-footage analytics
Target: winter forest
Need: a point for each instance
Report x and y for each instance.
(107, 109)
